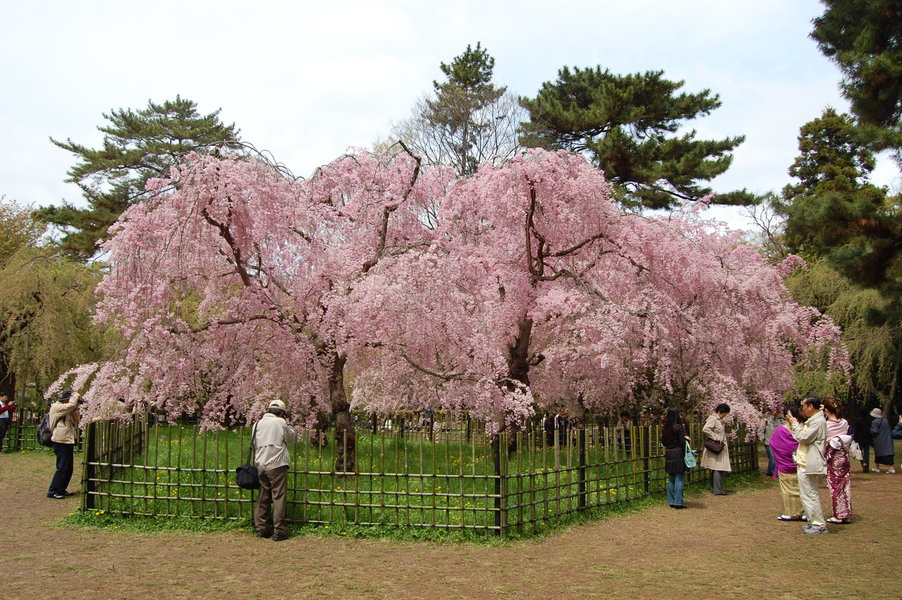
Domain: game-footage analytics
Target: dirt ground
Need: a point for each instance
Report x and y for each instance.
(722, 547)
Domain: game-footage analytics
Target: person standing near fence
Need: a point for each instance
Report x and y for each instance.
(7, 407)
(883, 443)
(861, 428)
(64, 417)
(674, 438)
(271, 436)
(718, 462)
(810, 462)
(766, 429)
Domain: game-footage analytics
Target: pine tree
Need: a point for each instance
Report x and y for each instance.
(627, 125)
(864, 38)
(137, 146)
(836, 213)
(470, 120)
(834, 210)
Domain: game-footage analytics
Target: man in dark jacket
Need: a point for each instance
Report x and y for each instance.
(861, 430)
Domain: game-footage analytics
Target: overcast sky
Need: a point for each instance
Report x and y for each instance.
(308, 80)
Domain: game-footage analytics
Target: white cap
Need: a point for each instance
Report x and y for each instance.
(277, 404)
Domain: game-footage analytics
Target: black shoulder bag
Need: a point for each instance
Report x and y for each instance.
(246, 475)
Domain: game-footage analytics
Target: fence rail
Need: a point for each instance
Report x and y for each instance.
(450, 476)
(22, 432)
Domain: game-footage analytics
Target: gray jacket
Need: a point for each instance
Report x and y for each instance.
(883, 442)
(813, 435)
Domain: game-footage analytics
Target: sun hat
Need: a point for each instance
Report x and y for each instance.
(877, 413)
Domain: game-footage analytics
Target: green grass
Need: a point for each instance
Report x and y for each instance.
(100, 519)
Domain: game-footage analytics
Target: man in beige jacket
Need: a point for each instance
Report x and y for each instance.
(271, 436)
(64, 419)
(811, 436)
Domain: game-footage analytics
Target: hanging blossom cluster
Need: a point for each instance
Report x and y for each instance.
(521, 286)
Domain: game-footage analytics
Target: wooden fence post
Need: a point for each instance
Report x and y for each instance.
(87, 499)
(500, 460)
(581, 470)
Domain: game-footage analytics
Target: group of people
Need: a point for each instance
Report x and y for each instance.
(805, 444)
(675, 440)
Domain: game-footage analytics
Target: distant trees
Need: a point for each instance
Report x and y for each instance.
(468, 121)
(628, 125)
(137, 145)
(45, 305)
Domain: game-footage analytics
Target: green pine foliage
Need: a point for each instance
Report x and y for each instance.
(864, 38)
(629, 126)
(835, 211)
(137, 145)
(468, 121)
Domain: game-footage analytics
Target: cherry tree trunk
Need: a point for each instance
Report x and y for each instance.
(345, 436)
(518, 355)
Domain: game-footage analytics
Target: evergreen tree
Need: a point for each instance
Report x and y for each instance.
(469, 120)
(137, 146)
(836, 213)
(627, 125)
(864, 38)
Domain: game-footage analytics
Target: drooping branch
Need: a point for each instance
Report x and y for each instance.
(226, 234)
(436, 374)
(389, 209)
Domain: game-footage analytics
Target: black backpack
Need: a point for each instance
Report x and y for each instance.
(44, 432)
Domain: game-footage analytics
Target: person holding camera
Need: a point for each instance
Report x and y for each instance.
(64, 417)
(271, 437)
(811, 466)
(7, 407)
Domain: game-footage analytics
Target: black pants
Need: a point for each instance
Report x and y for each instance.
(4, 424)
(64, 459)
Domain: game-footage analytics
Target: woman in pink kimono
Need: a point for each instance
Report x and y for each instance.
(839, 469)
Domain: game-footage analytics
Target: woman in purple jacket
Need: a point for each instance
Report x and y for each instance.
(783, 446)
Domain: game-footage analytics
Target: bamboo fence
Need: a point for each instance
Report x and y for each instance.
(446, 474)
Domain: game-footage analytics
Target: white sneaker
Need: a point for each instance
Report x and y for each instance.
(875, 470)
(891, 471)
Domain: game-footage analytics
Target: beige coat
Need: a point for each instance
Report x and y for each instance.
(272, 435)
(715, 430)
(66, 417)
(811, 436)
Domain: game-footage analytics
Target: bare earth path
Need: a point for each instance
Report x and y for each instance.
(723, 547)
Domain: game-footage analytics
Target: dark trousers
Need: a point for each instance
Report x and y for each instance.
(64, 459)
(4, 425)
(865, 457)
(273, 488)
